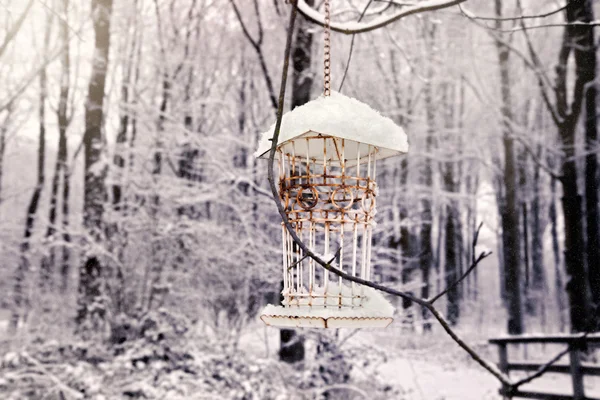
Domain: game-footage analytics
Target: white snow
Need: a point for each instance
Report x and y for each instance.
(343, 117)
(374, 305)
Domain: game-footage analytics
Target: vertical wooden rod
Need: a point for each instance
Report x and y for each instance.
(285, 266)
(326, 253)
(299, 266)
(363, 266)
(354, 246)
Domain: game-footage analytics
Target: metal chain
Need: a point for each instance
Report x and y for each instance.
(327, 49)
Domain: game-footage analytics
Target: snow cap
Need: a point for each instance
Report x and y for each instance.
(339, 116)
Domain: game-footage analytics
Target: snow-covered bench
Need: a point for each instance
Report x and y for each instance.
(575, 344)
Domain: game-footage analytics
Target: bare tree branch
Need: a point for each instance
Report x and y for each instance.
(522, 26)
(529, 27)
(536, 160)
(534, 64)
(352, 47)
(520, 17)
(256, 44)
(356, 27)
(15, 29)
(474, 263)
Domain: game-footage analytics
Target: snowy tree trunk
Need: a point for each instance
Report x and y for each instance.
(449, 173)
(291, 347)
(538, 272)
(510, 210)
(426, 248)
(558, 280)
(48, 263)
(91, 271)
(3, 131)
(523, 187)
(586, 52)
(20, 296)
(577, 40)
(63, 124)
(451, 256)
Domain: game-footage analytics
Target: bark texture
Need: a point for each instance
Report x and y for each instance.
(95, 196)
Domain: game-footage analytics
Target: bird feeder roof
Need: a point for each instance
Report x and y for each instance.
(342, 117)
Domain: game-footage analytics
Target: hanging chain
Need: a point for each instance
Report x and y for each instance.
(326, 52)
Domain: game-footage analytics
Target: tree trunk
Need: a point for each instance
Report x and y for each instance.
(20, 297)
(558, 281)
(64, 120)
(524, 207)
(48, 260)
(65, 270)
(510, 215)
(574, 248)
(425, 247)
(451, 256)
(90, 272)
(538, 273)
(586, 50)
(472, 184)
(405, 244)
(3, 131)
(291, 345)
(450, 171)
(577, 41)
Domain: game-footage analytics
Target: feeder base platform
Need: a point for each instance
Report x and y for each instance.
(284, 320)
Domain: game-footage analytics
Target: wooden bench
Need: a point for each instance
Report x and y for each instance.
(576, 368)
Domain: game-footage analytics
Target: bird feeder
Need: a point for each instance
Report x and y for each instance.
(326, 155)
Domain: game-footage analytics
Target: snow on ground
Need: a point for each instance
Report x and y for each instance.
(423, 379)
(433, 368)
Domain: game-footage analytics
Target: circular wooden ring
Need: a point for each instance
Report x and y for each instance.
(368, 195)
(307, 205)
(345, 190)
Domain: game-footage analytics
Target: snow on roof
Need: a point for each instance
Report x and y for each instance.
(340, 116)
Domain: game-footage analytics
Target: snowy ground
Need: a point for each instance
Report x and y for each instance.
(434, 368)
(430, 367)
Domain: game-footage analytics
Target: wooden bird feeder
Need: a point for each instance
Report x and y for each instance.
(326, 154)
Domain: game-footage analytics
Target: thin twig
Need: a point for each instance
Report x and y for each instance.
(543, 84)
(62, 386)
(15, 28)
(352, 47)
(353, 27)
(534, 64)
(63, 19)
(520, 17)
(474, 264)
(257, 45)
(555, 25)
(337, 253)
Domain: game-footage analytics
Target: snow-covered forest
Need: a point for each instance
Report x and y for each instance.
(140, 237)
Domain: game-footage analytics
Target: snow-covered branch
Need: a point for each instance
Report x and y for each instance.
(360, 27)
